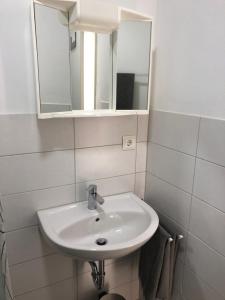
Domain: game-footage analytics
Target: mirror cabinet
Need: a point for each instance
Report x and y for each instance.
(84, 69)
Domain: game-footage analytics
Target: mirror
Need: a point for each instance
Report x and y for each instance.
(133, 48)
(81, 71)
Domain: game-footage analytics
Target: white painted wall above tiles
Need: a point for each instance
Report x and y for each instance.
(189, 65)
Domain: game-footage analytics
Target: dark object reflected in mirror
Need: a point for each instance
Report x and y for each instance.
(125, 91)
(133, 63)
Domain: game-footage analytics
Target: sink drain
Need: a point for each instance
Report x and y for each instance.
(101, 241)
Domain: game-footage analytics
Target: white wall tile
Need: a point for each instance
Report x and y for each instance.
(117, 275)
(20, 209)
(142, 134)
(92, 132)
(125, 290)
(208, 224)
(211, 144)
(176, 131)
(26, 134)
(107, 186)
(135, 285)
(206, 263)
(26, 244)
(195, 288)
(140, 185)
(62, 290)
(84, 266)
(135, 265)
(175, 167)
(209, 183)
(86, 288)
(141, 157)
(40, 272)
(103, 162)
(28, 172)
(178, 276)
(169, 200)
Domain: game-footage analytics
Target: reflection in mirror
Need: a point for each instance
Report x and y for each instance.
(75, 68)
(133, 59)
(104, 70)
(52, 38)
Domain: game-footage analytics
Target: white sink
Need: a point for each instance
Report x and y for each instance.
(124, 220)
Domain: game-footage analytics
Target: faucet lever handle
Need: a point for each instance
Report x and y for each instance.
(92, 189)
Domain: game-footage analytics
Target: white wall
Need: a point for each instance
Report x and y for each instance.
(189, 64)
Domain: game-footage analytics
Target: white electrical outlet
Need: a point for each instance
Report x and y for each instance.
(129, 142)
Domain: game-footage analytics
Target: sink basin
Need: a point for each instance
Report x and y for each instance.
(118, 227)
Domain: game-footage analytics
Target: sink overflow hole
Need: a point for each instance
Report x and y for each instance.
(101, 242)
(97, 219)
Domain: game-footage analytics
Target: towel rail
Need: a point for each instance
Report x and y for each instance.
(180, 237)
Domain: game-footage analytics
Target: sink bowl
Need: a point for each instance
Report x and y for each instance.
(118, 227)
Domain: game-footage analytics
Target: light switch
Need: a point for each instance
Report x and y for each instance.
(129, 142)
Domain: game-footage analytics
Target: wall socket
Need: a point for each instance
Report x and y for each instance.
(129, 142)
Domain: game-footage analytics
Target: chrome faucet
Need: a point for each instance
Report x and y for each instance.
(93, 197)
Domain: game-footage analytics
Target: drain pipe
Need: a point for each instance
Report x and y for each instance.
(98, 273)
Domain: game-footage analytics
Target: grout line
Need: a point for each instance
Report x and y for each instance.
(135, 161)
(189, 115)
(210, 162)
(43, 287)
(192, 190)
(171, 219)
(207, 246)
(154, 175)
(22, 228)
(194, 175)
(203, 280)
(61, 150)
(35, 258)
(195, 156)
(108, 145)
(74, 164)
(36, 152)
(40, 189)
(69, 184)
(98, 179)
(209, 204)
(170, 148)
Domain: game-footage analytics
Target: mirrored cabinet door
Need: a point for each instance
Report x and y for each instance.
(53, 49)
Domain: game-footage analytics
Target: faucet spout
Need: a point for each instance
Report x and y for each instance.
(94, 197)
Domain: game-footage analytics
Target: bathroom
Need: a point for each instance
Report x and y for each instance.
(168, 151)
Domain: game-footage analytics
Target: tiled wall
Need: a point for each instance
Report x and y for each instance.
(51, 162)
(186, 183)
